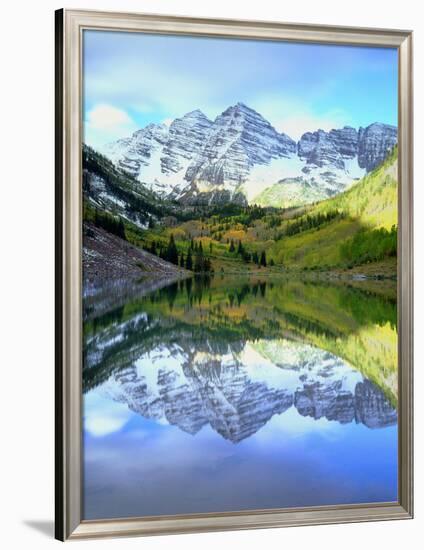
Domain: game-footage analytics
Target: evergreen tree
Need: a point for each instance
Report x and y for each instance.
(271, 262)
(255, 257)
(208, 266)
(263, 259)
(202, 264)
(110, 223)
(182, 264)
(171, 251)
(153, 248)
(240, 249)
(232, 247)
(121, 229)
(189, 261)
(198, 261)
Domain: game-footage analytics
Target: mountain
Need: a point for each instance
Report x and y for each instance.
(373, 144)
(364, 228)
(333, 161)
(160, 156)
(109, 188)
(239, 139)
(240, 157)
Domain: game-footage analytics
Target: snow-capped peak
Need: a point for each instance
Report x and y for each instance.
(240, 154)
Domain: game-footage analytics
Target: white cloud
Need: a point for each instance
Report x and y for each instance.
(104, 416)
(105, 117)
(105, 123)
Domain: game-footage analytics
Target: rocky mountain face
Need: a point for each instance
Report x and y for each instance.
(160, 156)
(335, 148)
(239, 139)
(373, 144)
(186, 136)
(240, 156)
(139, 148)
(328, 148)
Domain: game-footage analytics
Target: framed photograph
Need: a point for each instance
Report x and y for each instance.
(233, 274)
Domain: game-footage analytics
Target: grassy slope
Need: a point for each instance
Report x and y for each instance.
(315, 247)
(369, 204)
(373, 200)
(284, 195)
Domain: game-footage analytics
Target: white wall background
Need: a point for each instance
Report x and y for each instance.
(27, 265)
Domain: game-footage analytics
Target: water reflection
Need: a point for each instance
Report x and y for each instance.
(236, 358)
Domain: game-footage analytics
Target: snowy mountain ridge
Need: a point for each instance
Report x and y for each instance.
(240, 157)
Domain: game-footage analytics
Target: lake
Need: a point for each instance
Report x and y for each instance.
(226, 394)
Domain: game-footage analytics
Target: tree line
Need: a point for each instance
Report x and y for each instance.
(195, 259)
(312, 222)
(246, 256)
(370, 246)
(109, 223)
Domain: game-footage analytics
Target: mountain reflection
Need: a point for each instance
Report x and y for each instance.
(232, 354)
(236, 395)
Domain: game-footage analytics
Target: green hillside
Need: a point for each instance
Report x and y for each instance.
(355, 228)
(364, 231)
(373, 200)
(287, 194)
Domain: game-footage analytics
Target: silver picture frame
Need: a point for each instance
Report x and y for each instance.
(70, 25)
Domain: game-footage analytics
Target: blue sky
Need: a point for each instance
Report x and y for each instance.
(132, 79)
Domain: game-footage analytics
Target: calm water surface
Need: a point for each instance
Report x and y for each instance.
(231, 394)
